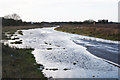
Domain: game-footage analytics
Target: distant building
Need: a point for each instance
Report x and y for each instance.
(103, 21)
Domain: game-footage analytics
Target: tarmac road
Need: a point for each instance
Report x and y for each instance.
(108, 51)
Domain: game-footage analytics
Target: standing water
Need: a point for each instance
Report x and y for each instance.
(66, 55)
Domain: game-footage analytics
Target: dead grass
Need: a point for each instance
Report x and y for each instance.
(14, 28)
(105, 31)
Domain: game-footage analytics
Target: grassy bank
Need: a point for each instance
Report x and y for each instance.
(19, 63)
(105, 31)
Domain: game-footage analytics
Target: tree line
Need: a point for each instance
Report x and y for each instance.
(15, 20)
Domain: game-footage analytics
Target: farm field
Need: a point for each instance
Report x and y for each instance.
(105, 31)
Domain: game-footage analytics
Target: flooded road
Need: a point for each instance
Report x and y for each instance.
(66, 55)
(108, 51)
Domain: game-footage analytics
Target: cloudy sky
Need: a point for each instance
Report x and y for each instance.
(61, 10)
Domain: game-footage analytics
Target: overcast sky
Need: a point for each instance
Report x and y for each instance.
(61, 10)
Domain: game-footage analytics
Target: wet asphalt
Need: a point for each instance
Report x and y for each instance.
(108, 51)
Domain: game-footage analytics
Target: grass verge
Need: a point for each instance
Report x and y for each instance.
(19, 63)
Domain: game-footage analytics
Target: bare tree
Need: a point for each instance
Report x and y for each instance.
(13, 16)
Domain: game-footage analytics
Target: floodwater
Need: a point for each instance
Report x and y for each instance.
(66, 55)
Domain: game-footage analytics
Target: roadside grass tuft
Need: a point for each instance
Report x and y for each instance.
(20, 32)
(14, 38)
(49, 48)
(46, 43)
(65, 69)
(11, 32)
(16, 42)
(54, 69)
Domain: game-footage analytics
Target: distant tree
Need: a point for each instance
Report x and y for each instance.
(89, 21)
(103, 21)
(13, 16)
